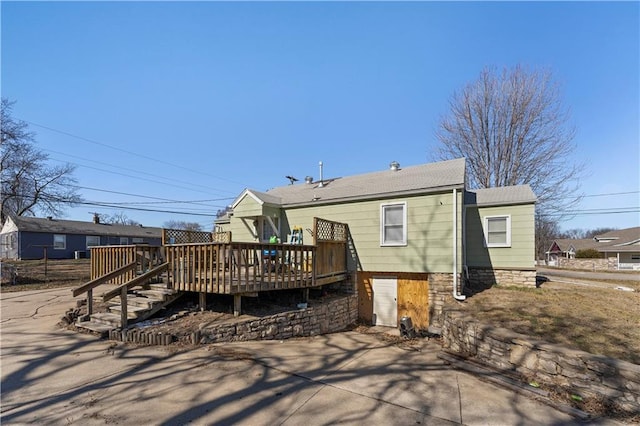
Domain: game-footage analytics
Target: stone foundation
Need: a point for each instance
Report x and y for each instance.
(480, 278)
(574, 372)
(440, 294)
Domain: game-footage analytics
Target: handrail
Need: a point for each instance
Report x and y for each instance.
(135, 281)
(102, 279)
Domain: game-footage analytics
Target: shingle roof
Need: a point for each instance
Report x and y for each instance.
(578, 244)
(626, 241)
(419, 179)
(518, 194)
(622, 236)
(58, 226)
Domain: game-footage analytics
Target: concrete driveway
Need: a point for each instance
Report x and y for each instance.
(56, 377)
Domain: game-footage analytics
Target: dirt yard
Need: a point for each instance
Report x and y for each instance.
(24, 275)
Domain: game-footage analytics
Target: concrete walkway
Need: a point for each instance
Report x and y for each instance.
(56, 377)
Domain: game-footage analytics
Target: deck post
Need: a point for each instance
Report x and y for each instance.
(123, 307)
(202, 301)
(305, 295)
(237, 304)
(90, 302)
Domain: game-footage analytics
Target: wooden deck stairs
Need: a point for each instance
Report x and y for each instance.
(141, 304)
(132, 301)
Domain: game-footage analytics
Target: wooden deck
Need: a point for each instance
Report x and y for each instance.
(217, 265)
(223, 267)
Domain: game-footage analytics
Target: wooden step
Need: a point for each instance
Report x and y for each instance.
(158, 286)
(94, 326)
(133, 312)
(159, 294)
(106, 318)
(134, 300)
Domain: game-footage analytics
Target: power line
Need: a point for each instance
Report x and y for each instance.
(128, 152)
(125, 168)
(161, 200)
(54, 199)
(136, 177)
(612, 193)
(147, 210)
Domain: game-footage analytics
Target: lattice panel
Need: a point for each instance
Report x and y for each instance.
(221, 237)
(327, 230)
(181, 236)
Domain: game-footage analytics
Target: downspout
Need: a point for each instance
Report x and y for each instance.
(456, 295)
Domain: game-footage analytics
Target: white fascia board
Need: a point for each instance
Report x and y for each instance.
(243, 195)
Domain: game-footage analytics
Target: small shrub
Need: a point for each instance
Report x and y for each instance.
(588, 254)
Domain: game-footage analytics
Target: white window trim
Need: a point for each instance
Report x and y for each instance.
(404, 224)
(485, 226)
(64, 240)
(137, 240)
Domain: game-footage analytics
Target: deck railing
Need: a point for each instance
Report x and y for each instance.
(221, 266)
(105, 259)
(235, 268)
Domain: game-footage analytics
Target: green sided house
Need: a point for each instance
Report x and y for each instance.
(416, 235)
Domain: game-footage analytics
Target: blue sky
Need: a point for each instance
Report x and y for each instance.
(195, 101)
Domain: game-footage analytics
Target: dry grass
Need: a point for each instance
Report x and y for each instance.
(38, 274)
(601, 321)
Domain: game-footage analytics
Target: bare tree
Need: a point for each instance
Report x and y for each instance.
(119, 218)
(179, 224)
(512, 128)
(29, 184)
(578, 233)
(546, 231)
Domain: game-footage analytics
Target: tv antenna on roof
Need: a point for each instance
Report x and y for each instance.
(291, 179)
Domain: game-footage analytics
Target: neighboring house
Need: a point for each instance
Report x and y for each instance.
(29, 237)
(621, 245)
(567, 248)
(413, 232)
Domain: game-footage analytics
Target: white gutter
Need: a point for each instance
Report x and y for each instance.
(456, 295)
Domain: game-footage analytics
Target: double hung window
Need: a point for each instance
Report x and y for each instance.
(393, 224)
(497, 231)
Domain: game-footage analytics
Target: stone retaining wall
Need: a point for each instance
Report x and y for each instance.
(440, 294)
(610, 264)
(576, 372)
(329, 317)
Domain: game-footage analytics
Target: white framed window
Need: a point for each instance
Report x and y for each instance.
(92, 241)
(124, 241)
(393, 224)
(137, 240)
(497, 231)
(59, 242)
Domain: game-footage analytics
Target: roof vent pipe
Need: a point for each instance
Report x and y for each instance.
(308, 179)
(321, 182)
(395, 166)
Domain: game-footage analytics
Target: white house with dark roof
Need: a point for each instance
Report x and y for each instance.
(412, 230)
(623, 245)
(28, 237)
